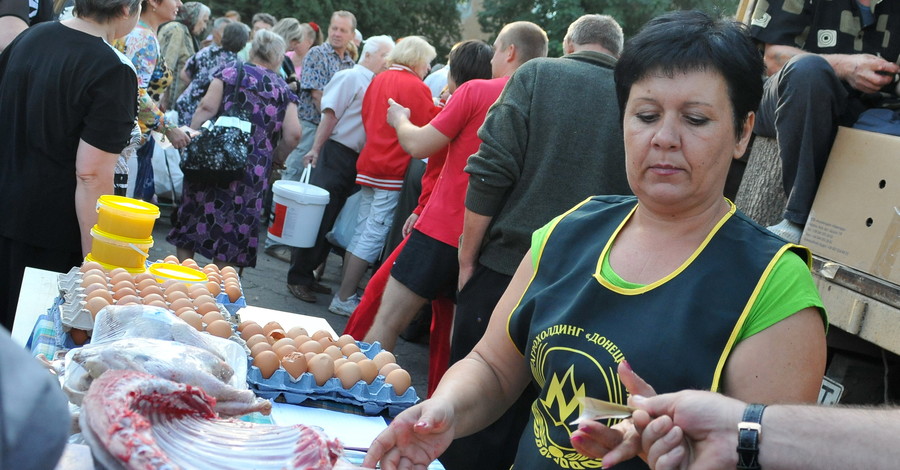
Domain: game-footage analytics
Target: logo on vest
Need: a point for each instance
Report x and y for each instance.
(563, 358)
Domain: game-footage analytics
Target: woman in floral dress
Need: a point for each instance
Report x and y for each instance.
(200, 68)
(222, 222)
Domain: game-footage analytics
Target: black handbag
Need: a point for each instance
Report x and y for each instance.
(218, 155)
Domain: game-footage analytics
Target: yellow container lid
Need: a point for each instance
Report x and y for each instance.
(120, 240)
(128, 205)
(110, 267)
(176, 272)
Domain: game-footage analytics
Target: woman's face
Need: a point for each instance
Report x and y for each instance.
(201, 24)
(680, 139)
(166, 10)
(301, 47)
(422, 70)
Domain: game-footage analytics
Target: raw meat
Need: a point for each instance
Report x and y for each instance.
(137, 421)
(169, 360)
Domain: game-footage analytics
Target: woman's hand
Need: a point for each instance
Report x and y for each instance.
(178, 137)
(408, 225)
(620, 442)
(396, 113)
(415, 438)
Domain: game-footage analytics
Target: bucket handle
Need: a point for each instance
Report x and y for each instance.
(143, 253)
(304, 177)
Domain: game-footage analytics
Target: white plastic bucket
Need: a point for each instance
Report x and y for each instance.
(298, 211)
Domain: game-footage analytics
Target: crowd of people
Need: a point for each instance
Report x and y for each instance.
(569, 229)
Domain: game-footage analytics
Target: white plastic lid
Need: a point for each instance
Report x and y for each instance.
(300, 192)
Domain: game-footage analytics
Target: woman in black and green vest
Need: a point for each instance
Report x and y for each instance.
(674, 283)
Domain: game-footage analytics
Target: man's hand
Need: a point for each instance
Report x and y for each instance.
(311, 158)
(866, 72)
(396, 113)
(408, 225)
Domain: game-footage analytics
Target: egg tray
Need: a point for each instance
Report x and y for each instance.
(373, 398)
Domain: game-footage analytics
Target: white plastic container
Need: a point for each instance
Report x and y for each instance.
(298, 212)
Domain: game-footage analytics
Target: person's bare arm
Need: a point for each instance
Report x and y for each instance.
(10, 27)
(317, 98)
(865, 72)
(290, 135)
(475, 227)
(209, 104)
(94, 171)
(323, 132)
(418, 142)
(782, 364)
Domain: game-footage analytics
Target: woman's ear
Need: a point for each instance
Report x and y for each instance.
(746, 132)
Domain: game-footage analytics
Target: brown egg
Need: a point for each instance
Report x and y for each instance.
(388, 368)
(202, 299)
(349, 349)
(171, 259)
(326, 341)
(272, 325)
(123, 291)
(116, 271)
(348, 374)
(339, 362)
(139, 277)
(220, 328)
(176, 294)
(275, 335)
(233, 292)
(244, 325)
(300, 339)
(177, 304)
(210, 317)
(208, 307)
(321, 366)
(251, 330)
(253, 340)
(382, 358)
(119, 277)
(213, 288)
(344, 340)
(228, 269)
(181, 310)
(93, 279)
(285, 349)
(157, 303)
(400, 380)
(95, 304)
(89, 265)
(128, 299)
(214, 277)
(146, 299)
(173, 287)
(78, 336)
(356, 357)
(152, 288)
(198, 290)
(190, 263)
(94, 272)
(309, 356)
(281, 342)
(194, 319)
(100, 293)
(310, 346)
(334, 352)
(368, 370)
(321, 334)
(126, 284)
(294, 364)
(296, 331)
(211, 268)
(260, 347)
(267, 362)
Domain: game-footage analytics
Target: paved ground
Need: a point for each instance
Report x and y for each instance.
(265, 286)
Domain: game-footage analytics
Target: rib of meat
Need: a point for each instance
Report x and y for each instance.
(169, 360)
(138, 421)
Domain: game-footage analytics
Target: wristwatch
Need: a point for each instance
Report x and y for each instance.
(749, 431)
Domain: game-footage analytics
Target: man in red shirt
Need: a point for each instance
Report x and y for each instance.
(428, 264)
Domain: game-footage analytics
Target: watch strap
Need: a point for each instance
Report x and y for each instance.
(749, 431)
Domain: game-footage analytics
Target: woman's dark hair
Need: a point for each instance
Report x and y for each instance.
(690, 41)
(235, 36)
(104, 11)
(469, 60)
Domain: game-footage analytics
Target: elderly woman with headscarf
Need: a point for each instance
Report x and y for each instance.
(178, 41)
(199, 69)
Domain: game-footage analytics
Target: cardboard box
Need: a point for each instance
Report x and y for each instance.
(855, 219)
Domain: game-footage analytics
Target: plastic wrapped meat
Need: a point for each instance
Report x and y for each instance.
(134, 420)
(166, 359)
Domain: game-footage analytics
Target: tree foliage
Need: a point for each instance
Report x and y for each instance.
(556, 15)
(436, 20)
